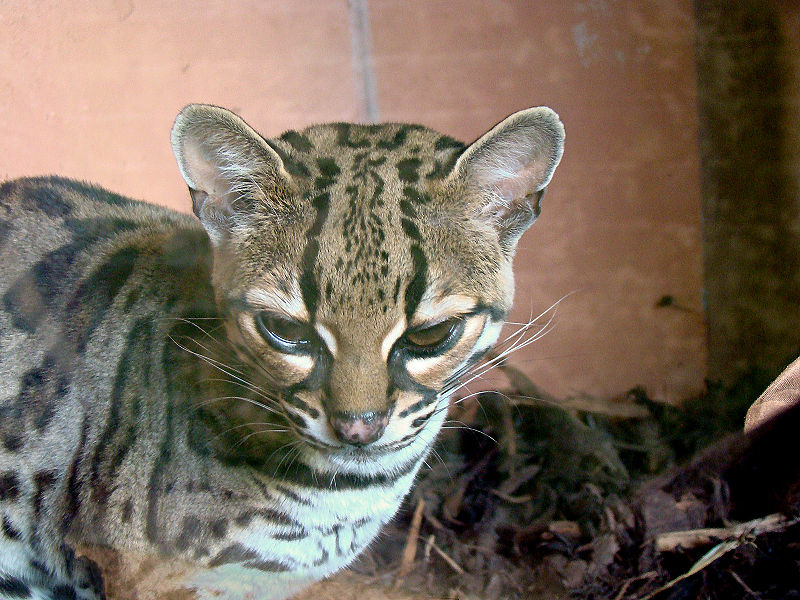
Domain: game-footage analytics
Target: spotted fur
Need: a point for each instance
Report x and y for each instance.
(153, 403)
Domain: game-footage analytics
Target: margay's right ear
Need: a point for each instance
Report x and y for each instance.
(225, 163)
(507, 169)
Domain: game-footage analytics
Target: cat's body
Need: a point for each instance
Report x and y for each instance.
(246, 398)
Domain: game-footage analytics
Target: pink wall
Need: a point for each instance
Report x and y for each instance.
(89, 90)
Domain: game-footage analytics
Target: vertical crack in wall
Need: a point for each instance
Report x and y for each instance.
(750, 198)
(366, 85)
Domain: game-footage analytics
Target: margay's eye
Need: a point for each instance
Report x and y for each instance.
(434, 339)
(285, 335)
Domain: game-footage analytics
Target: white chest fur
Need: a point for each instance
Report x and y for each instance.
(271, 560)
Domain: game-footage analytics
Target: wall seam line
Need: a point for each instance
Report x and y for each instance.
(364, 71)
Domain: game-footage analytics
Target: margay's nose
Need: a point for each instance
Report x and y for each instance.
(359, 429)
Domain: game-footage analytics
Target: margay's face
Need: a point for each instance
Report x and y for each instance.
(371, 302)
(365, 267)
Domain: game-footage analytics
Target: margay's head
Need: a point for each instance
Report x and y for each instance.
(364, 268)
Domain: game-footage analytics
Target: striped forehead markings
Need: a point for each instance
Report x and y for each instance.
(416, 287)
(308, 280)
(398, 139)
(362, 228)
(408, 170)
(298, 141)
(328, 171)
(343, 137)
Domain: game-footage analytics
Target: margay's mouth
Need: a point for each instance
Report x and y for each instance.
(374, 451)
(371, 451)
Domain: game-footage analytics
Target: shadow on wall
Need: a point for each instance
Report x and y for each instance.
(748, 99)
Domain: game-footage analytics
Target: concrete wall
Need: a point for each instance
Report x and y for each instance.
(89, 90)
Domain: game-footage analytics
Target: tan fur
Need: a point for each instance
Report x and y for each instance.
(232, 406)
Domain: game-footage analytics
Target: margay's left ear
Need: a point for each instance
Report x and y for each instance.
(507, 169)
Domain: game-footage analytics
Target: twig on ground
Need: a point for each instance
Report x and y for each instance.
(410, 549)
(628, 582)
(512, 499)
(673, 540)
(429, 545)
(709, 557)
